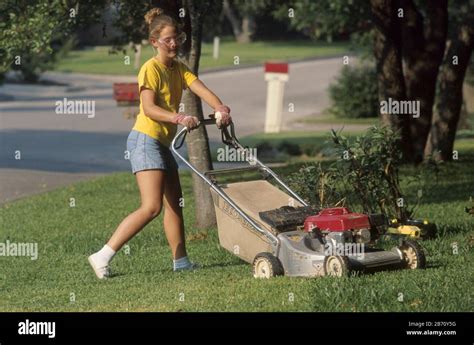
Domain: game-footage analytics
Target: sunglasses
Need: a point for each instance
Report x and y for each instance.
(180, 39)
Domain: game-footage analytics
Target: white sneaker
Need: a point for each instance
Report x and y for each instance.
(193, 266)
(102, 272)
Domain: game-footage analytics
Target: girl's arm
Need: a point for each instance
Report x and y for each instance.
(201, 90)
(222, 112)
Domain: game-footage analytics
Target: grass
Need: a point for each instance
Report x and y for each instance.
(326, 118)
(98, 60)
(144, 280)
(312, 145)
(296, 137)
(315, 142)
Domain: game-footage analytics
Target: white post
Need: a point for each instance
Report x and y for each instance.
(215, 51)
(276, 75)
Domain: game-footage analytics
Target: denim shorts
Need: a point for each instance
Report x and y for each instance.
(148, 153)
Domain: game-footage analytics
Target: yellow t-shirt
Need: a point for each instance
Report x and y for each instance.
(168, 84)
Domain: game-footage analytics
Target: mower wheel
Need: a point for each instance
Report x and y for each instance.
(335, 265)
(413, 255)
(266, 265)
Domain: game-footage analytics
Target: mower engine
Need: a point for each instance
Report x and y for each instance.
(337, 241)
(338, 225)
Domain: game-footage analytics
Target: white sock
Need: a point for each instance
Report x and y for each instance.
(181, 263)
(104, 256)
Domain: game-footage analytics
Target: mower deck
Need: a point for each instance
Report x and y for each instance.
(256, 197)
(298, 258)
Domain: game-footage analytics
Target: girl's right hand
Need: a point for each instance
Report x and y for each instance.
(190, 122)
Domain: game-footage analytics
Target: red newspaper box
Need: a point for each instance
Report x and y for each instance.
(126, 94)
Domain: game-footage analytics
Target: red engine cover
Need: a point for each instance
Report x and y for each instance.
(337, 219)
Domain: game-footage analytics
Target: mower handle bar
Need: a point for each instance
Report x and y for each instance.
(231, 140)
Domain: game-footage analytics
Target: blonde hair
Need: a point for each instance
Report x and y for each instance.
(157, 20)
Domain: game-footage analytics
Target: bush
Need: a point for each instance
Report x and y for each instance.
(370, 166)
(364, 176)
(264, 149)
(354, 94)
(289, 148)
(309, 149)
(277, 151)
(33, 64)
(316, 185)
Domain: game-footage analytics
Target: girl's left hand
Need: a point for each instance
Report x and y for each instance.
(222, 115)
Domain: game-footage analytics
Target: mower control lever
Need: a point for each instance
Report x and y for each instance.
(227, 138)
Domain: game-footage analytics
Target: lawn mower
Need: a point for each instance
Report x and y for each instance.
(277, 232)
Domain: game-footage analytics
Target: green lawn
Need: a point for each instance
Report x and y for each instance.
(327, 118)
(331, 119)
(144, 280)
(312, 145)
(98, 60)
(296, 137)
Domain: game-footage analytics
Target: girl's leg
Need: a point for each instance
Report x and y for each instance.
(151, 185)
(173, 218)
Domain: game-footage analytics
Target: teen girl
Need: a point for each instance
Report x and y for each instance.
(161, 81)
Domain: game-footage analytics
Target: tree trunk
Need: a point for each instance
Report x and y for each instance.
(391, 83)
(138, 56)
(423, 46)
(233, 19)
(449, 102)
(248, 28)
(197, 141)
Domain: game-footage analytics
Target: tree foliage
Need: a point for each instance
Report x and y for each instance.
(325, 19)
(354, 92)
(407, 33)
(33, 31)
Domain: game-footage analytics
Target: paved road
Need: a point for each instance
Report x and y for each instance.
(59, 149)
